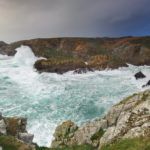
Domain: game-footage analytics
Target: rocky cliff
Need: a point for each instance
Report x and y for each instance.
(127, 120)
(85, 53)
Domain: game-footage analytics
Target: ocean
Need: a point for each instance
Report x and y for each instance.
(47, 99)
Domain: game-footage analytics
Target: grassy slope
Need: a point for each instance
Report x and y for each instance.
(81, 147)
(10, 143)
(129, 144)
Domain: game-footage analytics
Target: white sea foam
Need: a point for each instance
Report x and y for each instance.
(47, 99)
(24, 56)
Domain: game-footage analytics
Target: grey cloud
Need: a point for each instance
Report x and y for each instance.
(25, 19)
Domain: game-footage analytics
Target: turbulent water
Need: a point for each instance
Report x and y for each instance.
(47, 99)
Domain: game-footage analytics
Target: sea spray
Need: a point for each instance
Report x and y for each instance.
(24, 56)
(47, 99)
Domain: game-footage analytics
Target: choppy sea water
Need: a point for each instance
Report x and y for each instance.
(47, 99)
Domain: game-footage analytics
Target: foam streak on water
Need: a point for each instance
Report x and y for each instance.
(47, 99)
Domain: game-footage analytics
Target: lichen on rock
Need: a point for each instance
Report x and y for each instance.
(130, 118)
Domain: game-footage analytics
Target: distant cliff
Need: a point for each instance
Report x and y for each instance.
(64, 54)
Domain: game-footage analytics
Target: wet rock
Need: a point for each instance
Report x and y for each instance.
(0, 115)
(2, 43)
(139, 75)
(147, 84)
(26, 137)
(2, 127)
(83, 70)
(59, 66)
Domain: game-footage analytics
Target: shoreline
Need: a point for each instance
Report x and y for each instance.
(73, 131)
(65, 54)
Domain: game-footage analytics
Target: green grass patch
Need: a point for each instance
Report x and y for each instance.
(77, 147)
(10, 143)
(129, 144)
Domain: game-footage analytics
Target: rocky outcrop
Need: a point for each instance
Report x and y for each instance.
(14, 129)
(147, 84)
(83, 70)
(15, 125)
(139, 75)
(2, 46)
(59, 66)
(99, 53)
(64, 132)
(128, 119)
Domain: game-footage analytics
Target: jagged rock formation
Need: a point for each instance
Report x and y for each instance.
(128, 119)
(13, 131)
(98, 53)
(139, 75)
(147, 84)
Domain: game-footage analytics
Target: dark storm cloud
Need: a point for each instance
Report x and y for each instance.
(24, 19)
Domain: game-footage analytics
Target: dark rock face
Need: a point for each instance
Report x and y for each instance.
(0, 115)
(147, 84)
(58, 66)
(2, 44)
(139, 75)
(100, 53)
(83, 70)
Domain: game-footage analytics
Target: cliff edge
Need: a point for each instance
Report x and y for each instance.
(65, 54)
(128, 119)
(126, 126)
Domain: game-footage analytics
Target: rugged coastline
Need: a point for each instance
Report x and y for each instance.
(83, 54)
(127, 121)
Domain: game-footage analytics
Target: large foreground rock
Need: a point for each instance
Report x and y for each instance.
(139, 75)
(147, 84)
(128, 119)
(15, 127)
(64, 132)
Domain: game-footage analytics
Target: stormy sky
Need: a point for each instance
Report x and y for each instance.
(26, 19)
